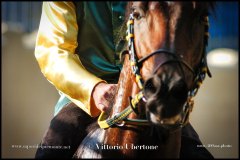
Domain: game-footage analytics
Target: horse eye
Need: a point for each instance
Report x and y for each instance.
(138, 12)
(137, 15)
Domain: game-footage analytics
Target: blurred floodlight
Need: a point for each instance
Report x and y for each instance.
(222, 57)
(4, 27)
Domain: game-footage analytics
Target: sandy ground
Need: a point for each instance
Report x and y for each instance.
(28, 101)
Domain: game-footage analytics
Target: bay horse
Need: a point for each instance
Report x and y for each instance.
(163, 68)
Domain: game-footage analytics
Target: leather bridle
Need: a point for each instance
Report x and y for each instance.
(120, 119)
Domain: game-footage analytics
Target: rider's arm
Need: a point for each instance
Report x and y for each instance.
(55, 53)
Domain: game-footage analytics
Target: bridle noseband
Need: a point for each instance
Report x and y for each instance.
(121, 119)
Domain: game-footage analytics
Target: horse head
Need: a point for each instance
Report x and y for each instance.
(167, 43)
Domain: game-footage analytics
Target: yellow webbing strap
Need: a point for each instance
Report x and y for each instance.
(102, 120)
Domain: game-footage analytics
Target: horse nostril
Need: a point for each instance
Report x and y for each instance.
(179, 90)
(152, 85)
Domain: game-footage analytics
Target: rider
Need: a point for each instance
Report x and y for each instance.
(77, 48)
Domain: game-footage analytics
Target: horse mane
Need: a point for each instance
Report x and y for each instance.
(89, 145)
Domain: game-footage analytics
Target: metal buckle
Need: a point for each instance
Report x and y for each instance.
(120, 124)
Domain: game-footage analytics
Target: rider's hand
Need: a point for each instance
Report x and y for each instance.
(103, 94)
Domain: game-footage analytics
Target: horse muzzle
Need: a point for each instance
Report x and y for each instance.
(166, 95)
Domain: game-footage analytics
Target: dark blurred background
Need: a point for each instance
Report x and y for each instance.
(28, 99)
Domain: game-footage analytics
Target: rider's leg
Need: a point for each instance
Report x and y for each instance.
(67, 129)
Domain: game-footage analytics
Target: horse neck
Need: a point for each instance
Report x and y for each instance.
(126, 88)
(117, 136)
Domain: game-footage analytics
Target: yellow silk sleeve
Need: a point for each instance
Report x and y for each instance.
(55, 53)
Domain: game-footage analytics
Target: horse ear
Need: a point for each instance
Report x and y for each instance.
(122, 55)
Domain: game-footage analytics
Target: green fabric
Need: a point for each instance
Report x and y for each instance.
(101, 38)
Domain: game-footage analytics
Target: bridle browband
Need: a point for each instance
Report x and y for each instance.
(120, 119)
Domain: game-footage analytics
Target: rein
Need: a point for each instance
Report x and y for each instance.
(120, 119)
